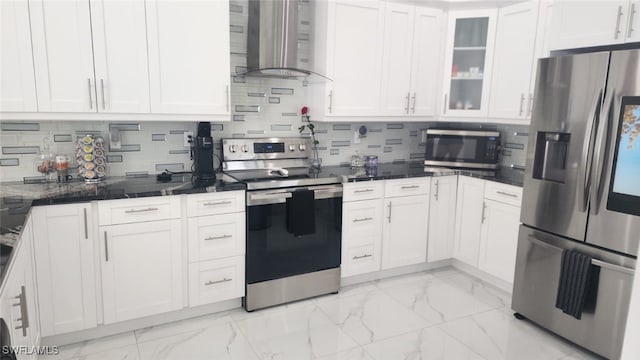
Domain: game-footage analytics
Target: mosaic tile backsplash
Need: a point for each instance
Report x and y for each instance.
(261, 107)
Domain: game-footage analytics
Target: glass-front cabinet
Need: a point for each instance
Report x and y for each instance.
(468, 62)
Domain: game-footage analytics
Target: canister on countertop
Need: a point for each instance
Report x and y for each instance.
(371, 161)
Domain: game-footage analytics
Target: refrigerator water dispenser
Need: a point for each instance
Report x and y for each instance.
(550, 161)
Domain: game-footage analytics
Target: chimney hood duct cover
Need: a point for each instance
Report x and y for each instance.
(273, 40)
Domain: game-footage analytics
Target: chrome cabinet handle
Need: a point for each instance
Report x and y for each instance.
(363, 190)
(217, 203)
(227, 94)
(218, 281)
(330, 101)
(521, 104)
(104, 103)
(363, 219)
(106, 248)
(410, 187)
(413, 107)
(218, 237)
(507, 194)
(631, 14)
(444, 111)
(484, 208)
(437, 189)
(133, 211)
(389, 217)
(362, 256)
(406, 108)
(86, 226)
(90, 94)
(615, 36)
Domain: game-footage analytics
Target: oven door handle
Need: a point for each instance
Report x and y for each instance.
(275, 197)
(278, 196)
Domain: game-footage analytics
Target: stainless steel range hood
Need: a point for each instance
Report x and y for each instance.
(273, 40)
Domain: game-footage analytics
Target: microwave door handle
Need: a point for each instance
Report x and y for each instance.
(587, 152)
(602, 140)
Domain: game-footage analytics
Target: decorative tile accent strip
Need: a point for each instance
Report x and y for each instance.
(518, 133)
(20, 149)
(281, 127)
(336, 143)
(274, 100)
(399, 161)
(9, 162)
(344, 164)
(136, 173)
(177, 132)
(290, 114)
(393, 142)
(114, 158)
(342, 127)
(303, 36)
(374, 146)
(127, 148)
(241, 69)
(158, 137)
(506, 152)
(395, 126)
(320, 148)
(176, 152)
(236, 29)
(416, 156)
(255, 94)
(374, 130)
(217, 127)
(413, 133)
(237, 117)
(255, 132)
(125, 127)
(282, 91)
(10, 200)
(19, 126)
(237, 135)
(34, 179)
(80, 133)
(322, 132)
(170, 167)
(247, 108)
(514, 146)
(387, 149)
(62, 138)
(334, 151)
(239, 79)
(234, 8)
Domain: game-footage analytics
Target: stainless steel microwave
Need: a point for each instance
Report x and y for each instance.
(471, 149)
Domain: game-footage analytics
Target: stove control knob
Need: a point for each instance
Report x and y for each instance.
(292, 147)
(302, 147)
(233, 148)
(244, 148)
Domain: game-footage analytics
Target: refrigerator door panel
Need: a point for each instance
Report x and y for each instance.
(568, 97)
(601, 328)
(610, 229)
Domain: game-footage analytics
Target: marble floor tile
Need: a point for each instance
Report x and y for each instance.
(100, 345)
(372, 316)
(444, 272)
(182, 326)
(479, 289)
(496, 334)
(428, 343)
(129, 352)
(224, 341)
(423, 278)
(349, 290)
(358, 353)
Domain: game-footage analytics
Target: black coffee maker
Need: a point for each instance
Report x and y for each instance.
(202, 153)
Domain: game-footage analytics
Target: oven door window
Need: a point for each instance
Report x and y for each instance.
(461, 149)
(273, 252)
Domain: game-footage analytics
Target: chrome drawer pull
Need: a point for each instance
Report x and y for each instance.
(363, 219)
(218, 237)
(363, 190)
(217, 203)
(217, 282)
(362, 257)
(410, 187)
(507, 194)
(141, 210)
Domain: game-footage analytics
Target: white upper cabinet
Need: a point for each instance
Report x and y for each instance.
(63, 57)
(425, 65)
(468, 62)
(513, 62)
(577, 24)
(189, 60)
(120, 49)
(18, 85)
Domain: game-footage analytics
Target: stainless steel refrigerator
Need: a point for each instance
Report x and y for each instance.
(582, 192)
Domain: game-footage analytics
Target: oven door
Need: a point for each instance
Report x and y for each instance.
(273, 252)
(462, 148)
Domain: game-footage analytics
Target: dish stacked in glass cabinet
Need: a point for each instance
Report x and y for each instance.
(91, 158)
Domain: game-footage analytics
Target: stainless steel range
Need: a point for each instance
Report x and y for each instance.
(294, 220)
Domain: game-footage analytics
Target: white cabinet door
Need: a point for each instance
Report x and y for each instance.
(64, 264)
(361, 236)
(442, 217)
(578, 24)
(469, 215)
(427, 39)
(499, 239)
(18, 85)
(354, 55)
(120, 49)
(513, 61)
(189, 60)
(63, 57)
(396, 61)
(405, 227)
(141, 269)
(633, 25)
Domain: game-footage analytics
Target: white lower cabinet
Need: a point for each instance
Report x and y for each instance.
(141, 269)
(469, 215)
(361, 236)
(405, 231)
(499, 239)
(216, 280)
(442, 217)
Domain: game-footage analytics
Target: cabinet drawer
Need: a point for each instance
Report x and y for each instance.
(504, 193)
(216, 236)
(360, 260)
(361, 220)
(138, 210)
(215, 203)
(216, 280)
(404, 187)
(364, 190)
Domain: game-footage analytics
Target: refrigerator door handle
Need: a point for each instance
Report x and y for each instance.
(602, 141)
(587, 153)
